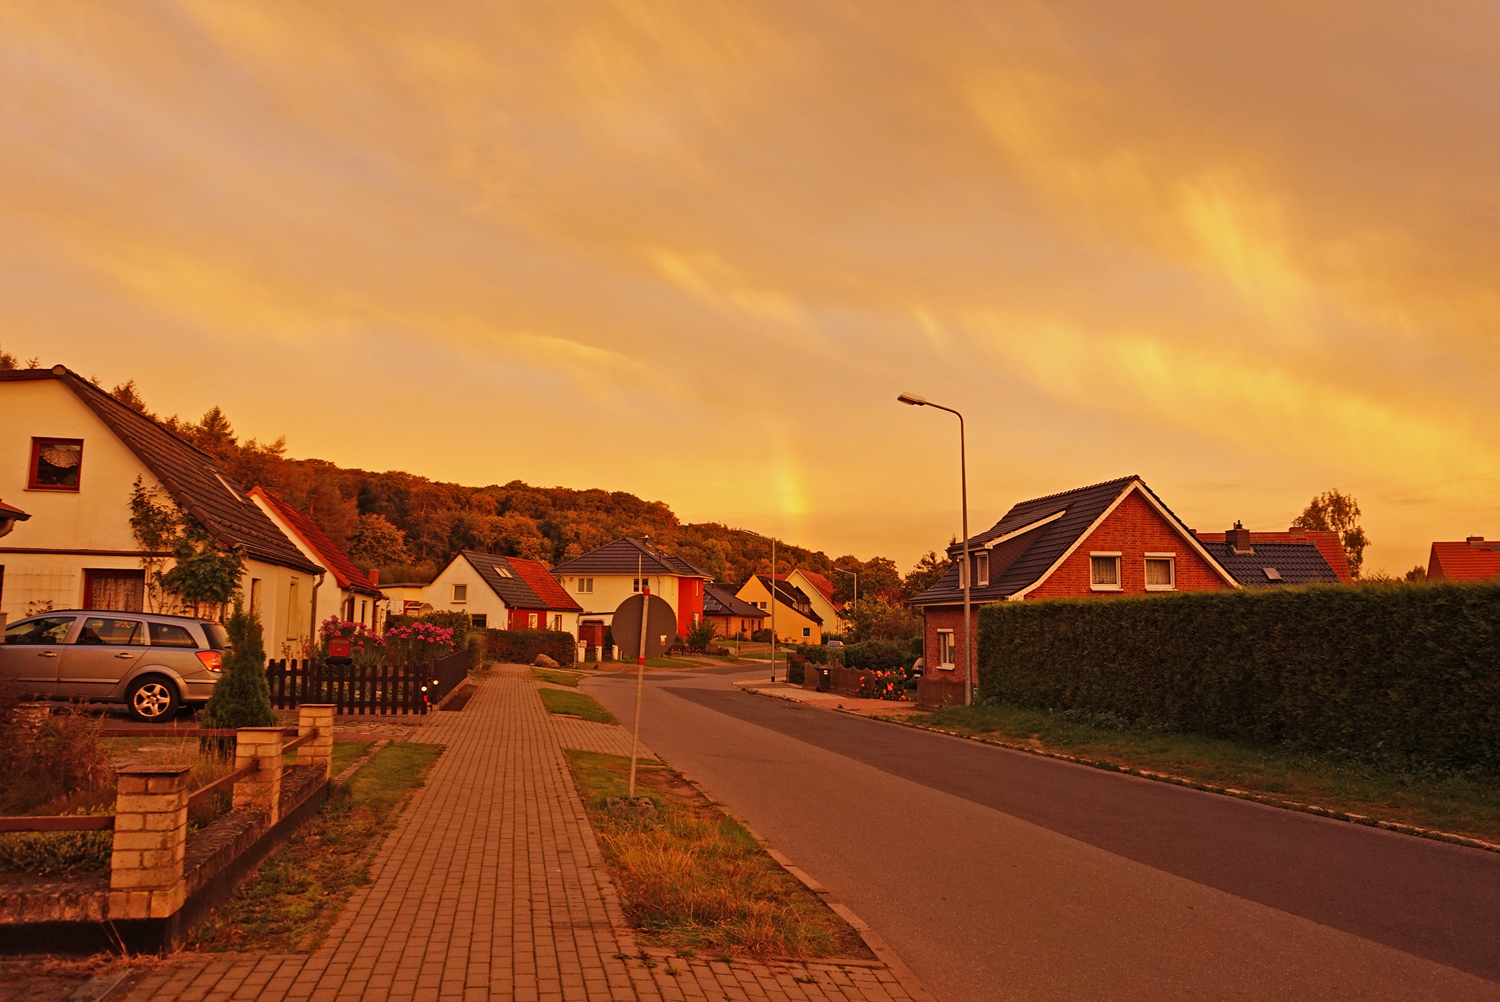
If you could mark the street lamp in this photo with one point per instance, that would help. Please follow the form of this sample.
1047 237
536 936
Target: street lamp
855 600
772 590
964 570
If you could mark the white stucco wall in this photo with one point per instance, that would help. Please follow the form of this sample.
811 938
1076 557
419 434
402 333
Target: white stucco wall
481 600
609 591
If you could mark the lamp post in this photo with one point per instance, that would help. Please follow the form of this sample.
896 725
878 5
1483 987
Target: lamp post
772 590
855 600
964 570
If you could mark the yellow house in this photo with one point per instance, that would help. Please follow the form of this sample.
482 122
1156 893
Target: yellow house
796 621
819 592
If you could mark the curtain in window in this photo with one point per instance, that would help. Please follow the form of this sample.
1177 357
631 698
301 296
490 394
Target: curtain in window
117 591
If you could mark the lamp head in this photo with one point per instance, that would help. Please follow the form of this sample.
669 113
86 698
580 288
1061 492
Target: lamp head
913 400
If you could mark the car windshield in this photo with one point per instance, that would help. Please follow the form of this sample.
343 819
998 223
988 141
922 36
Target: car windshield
218 639
51 630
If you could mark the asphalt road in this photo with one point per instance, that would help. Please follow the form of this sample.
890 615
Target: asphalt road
999 875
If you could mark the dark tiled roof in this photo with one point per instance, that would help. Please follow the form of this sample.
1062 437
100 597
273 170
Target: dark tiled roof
336 560
621 557
543 585
793 596
718 602
1079 508
193 479
1297 563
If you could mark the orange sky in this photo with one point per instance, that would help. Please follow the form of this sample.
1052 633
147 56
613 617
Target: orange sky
693 250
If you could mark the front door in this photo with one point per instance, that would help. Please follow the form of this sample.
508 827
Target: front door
33 652
104 651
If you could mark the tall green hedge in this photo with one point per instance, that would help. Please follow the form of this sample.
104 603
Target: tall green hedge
522 646
1407 675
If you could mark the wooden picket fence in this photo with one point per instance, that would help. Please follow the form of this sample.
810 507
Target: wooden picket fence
386 689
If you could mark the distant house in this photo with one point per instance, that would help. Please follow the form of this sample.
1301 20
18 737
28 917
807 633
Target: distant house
1474 559
1109 539
796 620
819 591
76 454
603 578
732 617
503 593
354 596
1269 559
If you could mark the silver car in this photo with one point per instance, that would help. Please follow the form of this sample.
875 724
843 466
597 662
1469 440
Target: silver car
153 664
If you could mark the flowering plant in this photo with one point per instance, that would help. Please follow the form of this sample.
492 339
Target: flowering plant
889 685
419 642
365 647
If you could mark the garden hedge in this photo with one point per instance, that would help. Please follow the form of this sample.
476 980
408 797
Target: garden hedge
522 646
1407 675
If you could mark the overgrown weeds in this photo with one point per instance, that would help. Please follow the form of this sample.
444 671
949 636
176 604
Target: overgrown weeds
45 757
694 880
575 704
1461 805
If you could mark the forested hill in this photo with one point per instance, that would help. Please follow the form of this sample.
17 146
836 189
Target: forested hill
407 525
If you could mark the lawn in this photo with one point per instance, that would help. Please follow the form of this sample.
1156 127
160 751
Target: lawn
575 704
1464 806
556 677
290 902
694 880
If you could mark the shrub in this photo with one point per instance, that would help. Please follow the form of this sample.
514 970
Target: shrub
1398 674
761 636
522 646
475 649
796 667
47 757
242 698
890 685
700 636
879 655
418 643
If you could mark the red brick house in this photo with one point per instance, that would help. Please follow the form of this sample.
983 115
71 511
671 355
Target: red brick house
1114 538
1299 556
1472 560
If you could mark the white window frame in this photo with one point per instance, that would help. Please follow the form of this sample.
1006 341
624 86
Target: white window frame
1171 559
585 586
981 568
945 647
1119 585
455 600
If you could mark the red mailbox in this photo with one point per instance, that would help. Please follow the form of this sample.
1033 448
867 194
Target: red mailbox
338 650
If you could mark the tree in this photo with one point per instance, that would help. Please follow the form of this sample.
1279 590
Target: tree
877 619
127 394
929 569
1417 575
700 636
378 542
241 698
1333 511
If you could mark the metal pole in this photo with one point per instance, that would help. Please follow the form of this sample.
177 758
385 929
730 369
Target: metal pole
640 672
774 638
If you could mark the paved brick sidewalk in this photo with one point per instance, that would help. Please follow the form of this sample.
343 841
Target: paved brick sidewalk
491 887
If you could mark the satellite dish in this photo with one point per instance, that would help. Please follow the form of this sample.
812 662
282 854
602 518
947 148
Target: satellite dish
661 627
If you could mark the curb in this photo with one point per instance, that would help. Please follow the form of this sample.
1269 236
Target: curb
1165 777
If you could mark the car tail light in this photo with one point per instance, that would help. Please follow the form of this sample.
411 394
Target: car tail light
212 660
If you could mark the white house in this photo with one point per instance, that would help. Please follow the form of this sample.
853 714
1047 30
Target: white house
603 578
352 595
70 455
503 593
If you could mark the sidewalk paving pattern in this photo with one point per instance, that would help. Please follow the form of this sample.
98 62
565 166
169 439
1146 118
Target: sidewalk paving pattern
491 887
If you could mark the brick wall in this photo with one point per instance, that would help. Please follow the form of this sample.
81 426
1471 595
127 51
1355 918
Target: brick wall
1134 529
948 618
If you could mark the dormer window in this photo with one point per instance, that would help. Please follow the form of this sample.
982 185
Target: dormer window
55 464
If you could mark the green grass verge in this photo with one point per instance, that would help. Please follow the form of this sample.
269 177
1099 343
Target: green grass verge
290 902
1462 806
556 677
575 704
694 880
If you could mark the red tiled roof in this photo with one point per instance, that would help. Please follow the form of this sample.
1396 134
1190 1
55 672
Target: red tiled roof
546 587
1327 543
336 560
819 582
1464 562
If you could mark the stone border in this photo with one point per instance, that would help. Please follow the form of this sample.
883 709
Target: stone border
1165 777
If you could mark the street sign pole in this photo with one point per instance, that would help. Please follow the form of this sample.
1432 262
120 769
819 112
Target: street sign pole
640 673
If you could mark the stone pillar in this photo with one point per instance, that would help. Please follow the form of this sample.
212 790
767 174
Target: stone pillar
319 751
150 842
262 788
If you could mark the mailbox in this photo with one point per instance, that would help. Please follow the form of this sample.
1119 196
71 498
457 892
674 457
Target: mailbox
338 651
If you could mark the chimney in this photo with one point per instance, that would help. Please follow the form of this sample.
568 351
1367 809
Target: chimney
374 575
1474 540
1238 538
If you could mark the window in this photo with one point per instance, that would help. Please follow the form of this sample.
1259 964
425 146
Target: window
807 631
479 621
113 632
55 464
640 583
945 648
363 607
460 593
557 623
1161 571
293 605
52 630
531 621
1104 571
114 590
255 596
981 569
167 635
585 586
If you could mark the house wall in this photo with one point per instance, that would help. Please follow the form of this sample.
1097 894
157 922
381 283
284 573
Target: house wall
481 600
612 589
730 627
937 618
689 604
1134 528
790 623
822 606
331 599
94 518
285 605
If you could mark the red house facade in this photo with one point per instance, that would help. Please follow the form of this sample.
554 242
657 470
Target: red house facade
1109 539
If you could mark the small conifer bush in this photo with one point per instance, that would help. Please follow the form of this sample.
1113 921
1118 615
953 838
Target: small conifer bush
242 698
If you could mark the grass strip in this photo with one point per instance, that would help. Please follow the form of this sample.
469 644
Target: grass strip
693 879
556 677
1460 805
289 903
575 704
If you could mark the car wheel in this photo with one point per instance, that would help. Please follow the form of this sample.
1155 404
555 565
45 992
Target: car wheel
152 699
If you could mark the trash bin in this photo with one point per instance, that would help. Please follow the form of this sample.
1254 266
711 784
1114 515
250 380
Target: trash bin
823 679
